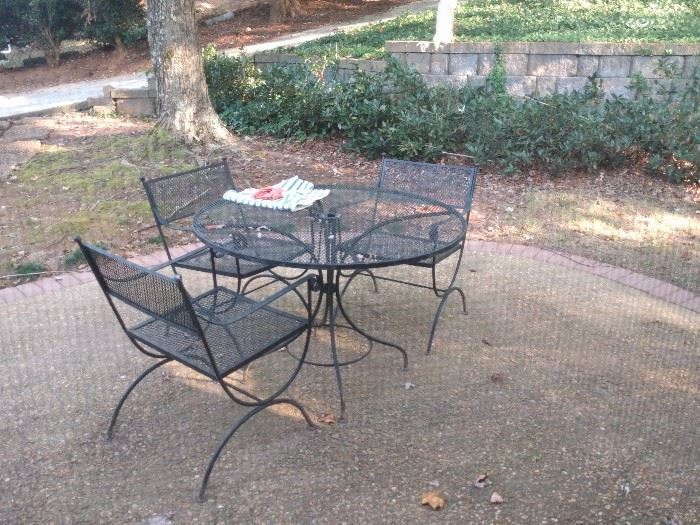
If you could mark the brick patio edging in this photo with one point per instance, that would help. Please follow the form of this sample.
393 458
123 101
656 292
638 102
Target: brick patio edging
654 287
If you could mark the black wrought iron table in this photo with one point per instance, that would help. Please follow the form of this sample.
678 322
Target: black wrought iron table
353 228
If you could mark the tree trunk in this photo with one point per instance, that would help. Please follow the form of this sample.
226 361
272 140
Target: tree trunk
282 9
445 22
119 45
182 99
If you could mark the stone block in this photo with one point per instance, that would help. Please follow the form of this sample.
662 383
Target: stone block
587 65
454 81
553 65
607 49
515 64
377 66
419 61
136 107
649 67
662 87
103 109
486 63
439 63
473 47
27 132
616 86
614 66
131 93
401 57
553 48
463 64
546 85
689 65
15 153
414 46
477 80
514 48
569 84
519 86
228 15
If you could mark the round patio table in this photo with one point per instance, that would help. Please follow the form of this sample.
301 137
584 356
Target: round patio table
353 228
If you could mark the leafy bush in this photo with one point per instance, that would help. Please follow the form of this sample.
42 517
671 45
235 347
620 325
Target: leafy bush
395 113
116 22
53 21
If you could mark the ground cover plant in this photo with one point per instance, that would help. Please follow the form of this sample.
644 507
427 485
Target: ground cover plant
397 114
542 21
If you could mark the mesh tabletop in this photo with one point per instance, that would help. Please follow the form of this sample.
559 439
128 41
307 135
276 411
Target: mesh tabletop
353 227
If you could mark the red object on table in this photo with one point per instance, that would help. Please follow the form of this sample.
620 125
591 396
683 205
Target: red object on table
268 193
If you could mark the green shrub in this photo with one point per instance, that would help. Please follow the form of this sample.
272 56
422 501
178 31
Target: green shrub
29 269
115 22
395 113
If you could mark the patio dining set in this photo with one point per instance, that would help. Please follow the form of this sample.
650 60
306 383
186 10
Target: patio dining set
416 216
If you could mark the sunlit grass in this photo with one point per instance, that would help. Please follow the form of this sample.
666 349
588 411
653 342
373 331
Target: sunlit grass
545 21
638 235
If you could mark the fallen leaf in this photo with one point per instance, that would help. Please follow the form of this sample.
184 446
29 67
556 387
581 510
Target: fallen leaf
482 481
328 419
434 499
496 498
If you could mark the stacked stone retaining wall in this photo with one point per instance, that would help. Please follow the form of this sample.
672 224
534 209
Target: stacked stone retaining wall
547 67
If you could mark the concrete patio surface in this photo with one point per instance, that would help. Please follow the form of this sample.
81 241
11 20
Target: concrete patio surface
579 396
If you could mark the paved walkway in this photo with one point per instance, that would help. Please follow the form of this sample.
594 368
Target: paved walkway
578 396
73 96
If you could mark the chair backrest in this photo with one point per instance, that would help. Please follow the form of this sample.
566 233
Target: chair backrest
451 184
180 195
152 293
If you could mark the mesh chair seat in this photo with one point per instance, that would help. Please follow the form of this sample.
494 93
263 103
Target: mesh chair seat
233 343
377 244
200 260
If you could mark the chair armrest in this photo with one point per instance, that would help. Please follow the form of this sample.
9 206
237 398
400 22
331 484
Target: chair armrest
259 305
170 262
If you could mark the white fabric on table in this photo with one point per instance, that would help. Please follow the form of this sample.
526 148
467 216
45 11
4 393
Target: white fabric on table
298 194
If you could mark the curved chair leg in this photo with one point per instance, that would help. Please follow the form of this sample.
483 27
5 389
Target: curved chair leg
238 424
445 296
115 414
355 274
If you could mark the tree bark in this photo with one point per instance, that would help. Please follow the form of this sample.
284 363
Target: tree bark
282 9
182 99
445 22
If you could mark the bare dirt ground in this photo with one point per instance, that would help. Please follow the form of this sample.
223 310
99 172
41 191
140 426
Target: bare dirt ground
247 27
84 180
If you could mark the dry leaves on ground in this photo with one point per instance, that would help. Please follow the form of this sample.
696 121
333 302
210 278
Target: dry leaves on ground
328 419
433 499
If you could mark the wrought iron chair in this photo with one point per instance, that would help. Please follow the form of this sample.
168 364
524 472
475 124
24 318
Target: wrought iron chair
451 184
215 333
176 198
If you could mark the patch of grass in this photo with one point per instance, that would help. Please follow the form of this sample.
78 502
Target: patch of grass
542 21
638 235
28 270
156 239
73 258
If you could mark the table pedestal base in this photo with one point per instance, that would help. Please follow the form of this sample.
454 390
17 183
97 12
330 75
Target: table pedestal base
336 317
